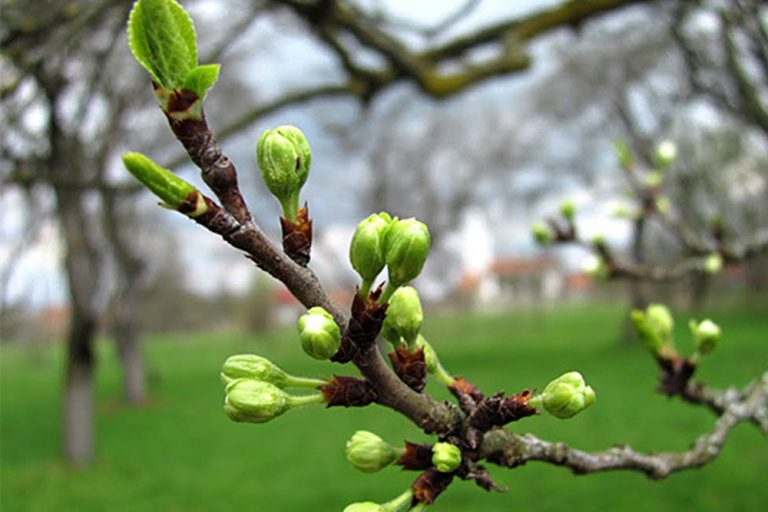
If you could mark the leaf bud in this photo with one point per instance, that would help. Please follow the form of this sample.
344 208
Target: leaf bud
542 234
173 190
565 396
568 209
406 249
404 314
713 263
319 334
706 335
446 457
666 153
368 452
284 158
623 154
366 251
654 328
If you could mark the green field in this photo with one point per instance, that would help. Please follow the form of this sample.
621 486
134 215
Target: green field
180 452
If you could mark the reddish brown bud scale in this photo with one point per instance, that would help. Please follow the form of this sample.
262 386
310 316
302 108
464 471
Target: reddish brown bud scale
416 457
429 485
466 393
363 328
410 367
497 410
348 392
675 372
297 236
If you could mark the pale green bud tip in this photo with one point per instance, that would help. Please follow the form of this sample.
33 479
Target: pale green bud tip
541 233
404 314
595 267
446 457
162 182
406 249
254 401
623 154
567 396
363 506
706 335
319 334
284 158
666 153
654 179
368 452
366 251
713 264
660 320
251 366
568 209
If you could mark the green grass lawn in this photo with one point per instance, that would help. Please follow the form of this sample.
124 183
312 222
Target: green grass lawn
181 453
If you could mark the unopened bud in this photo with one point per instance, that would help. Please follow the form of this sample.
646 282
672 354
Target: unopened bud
663 204
595 267
541 233
171 189
254 401
366 251
404 314
666 153
706 335
568 209
713 264
363 506
251 366
319 334
623 154
446 457
406 250
284 158
654 327
653 179
565 396
368 452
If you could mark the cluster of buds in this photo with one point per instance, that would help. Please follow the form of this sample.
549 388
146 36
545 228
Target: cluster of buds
557 230
654 328
565 396
402 245
255 389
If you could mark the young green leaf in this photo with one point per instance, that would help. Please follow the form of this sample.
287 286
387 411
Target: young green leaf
201 79
162 38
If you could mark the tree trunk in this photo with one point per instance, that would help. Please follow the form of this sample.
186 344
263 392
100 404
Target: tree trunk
78 393
128 340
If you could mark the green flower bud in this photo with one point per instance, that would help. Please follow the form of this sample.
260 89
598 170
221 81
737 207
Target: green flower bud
542 234
653 179
251 366
565 396
713 264
284 158
319 335
404 314
406 249
363 506
446 457
595 267
568 209
366 251
623 154
666 153
663 205
661 321
368 452
255 401
173 190
706 335
654 328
